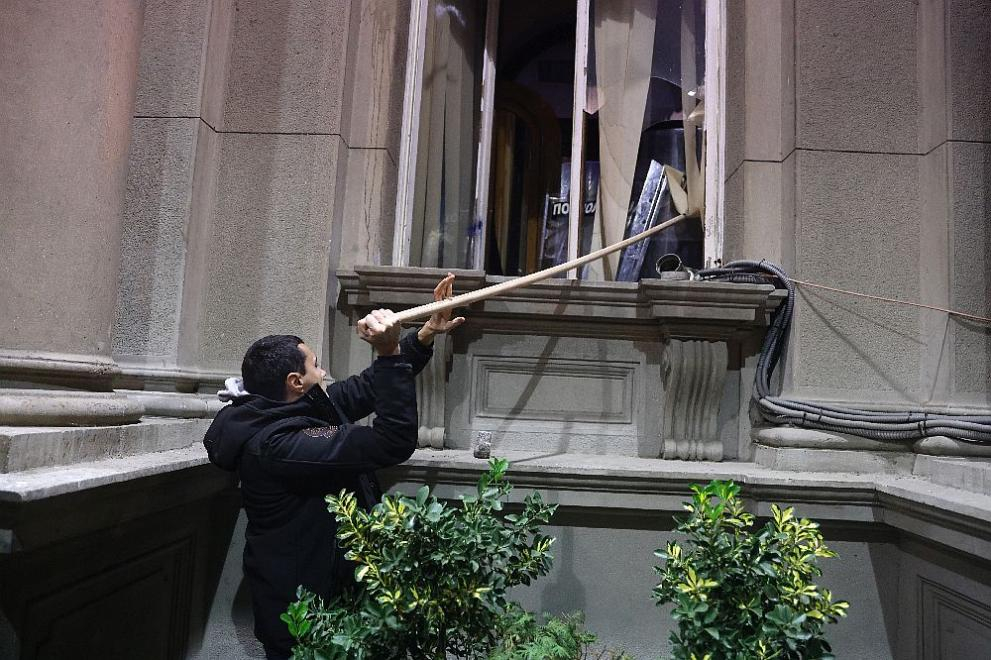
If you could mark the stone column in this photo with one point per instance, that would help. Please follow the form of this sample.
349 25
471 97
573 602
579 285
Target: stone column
167 205
67 80
257 249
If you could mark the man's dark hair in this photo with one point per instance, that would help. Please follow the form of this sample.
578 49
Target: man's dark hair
269 361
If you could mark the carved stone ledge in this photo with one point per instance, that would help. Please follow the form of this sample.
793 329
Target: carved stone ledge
914 504
33 449
798 438
40 388
172 391
648 310
153 378
175 404
370 287
38 407
862 461
56 389
19 368
940 445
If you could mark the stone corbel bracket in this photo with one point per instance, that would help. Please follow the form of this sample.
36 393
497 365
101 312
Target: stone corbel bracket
694 374
694 322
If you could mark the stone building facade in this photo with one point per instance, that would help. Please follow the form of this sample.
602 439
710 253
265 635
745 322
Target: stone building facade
180 177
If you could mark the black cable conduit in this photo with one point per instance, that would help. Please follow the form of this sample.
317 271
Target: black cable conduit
898 426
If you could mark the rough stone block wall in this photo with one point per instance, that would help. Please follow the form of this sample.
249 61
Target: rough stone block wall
371 129
268 241
153 247
857 199
863 165
158 206
242 136
970 279
68 74
968 147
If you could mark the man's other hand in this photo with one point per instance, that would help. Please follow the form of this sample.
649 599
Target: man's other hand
440 322
381 331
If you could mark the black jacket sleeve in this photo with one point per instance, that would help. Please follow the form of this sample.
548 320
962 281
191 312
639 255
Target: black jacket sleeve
390 439
356 395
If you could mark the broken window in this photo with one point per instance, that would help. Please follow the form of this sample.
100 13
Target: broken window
530 129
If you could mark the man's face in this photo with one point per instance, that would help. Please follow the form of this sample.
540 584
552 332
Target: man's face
314 374
298 384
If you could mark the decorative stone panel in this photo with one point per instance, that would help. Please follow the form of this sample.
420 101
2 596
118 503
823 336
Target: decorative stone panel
554 394
596 392
951 624
113 558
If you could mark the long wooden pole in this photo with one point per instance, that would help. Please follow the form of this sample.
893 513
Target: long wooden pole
424 311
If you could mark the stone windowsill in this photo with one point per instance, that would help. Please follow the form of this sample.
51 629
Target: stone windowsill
648 309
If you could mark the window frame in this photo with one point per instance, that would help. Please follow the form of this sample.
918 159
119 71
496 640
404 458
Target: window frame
714 129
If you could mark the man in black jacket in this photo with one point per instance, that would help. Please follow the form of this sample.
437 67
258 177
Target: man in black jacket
291 443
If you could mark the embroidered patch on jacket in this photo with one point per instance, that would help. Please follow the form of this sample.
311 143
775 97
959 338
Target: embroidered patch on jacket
321 432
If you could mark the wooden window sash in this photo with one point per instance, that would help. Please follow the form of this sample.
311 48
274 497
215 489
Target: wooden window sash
484 161
579 101
714 130
406 188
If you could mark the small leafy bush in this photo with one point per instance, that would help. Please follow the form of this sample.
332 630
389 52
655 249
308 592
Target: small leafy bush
559 638
431 578
740 594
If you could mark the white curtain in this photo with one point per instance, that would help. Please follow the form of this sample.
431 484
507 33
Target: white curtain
624 45
442 204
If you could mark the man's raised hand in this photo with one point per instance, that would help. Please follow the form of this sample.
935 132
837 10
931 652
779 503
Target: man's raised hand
380 329
440 322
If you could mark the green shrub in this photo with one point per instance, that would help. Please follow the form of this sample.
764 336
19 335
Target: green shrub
740 594
431 578
559 638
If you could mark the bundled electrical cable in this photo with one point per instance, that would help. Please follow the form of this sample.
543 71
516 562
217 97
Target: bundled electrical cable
885 426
